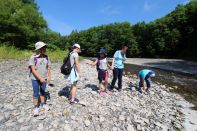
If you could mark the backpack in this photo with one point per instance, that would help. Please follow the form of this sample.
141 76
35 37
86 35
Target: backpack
66 67
36 61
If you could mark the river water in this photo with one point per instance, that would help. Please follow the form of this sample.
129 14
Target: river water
183 84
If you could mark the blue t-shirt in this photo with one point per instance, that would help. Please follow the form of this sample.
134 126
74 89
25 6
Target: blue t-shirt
119 59
143 73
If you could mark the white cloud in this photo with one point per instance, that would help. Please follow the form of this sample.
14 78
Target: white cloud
185 2
109 10
147 6
58 26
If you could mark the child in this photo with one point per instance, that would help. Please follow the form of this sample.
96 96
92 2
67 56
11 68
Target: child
102 66
40 73
145 76
73 77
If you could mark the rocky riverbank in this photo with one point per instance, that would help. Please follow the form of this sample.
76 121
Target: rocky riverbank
118 111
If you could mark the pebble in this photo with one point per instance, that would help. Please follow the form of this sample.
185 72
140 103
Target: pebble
114 129
2 117
121 117
130 128
67 128
25 128
139 127
9 106
87 123
102 119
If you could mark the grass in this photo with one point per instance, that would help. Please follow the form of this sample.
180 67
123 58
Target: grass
57 55
10 52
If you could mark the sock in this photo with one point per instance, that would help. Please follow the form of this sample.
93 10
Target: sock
35 106
72 99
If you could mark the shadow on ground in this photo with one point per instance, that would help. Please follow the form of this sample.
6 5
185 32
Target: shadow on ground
64 92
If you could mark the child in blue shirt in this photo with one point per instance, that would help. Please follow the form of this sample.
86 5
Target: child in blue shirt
145 79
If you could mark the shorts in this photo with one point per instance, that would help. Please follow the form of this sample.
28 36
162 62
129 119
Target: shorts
38 88
102 75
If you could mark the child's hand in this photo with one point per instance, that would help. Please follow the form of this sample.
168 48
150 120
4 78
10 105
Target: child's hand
145 88
42 80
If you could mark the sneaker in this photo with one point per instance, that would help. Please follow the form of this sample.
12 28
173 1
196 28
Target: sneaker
119 89
74 102
45 107
140 95
36 112
101 94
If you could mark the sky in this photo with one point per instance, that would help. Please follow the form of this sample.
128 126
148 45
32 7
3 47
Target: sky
63 16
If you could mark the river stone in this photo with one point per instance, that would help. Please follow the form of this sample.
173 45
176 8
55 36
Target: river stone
41 117
114 129
139 127
21 120
87 123
121 117
130 128
67 128
25 128
9 106
2 117
40 127
102 119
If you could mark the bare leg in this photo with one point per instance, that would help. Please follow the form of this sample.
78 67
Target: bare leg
73 91
42 99
35 101
100 86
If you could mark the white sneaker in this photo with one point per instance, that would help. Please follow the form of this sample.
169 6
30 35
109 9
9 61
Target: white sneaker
36 112
46 107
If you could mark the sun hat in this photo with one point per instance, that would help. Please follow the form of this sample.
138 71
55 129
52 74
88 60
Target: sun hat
102 51
39 45
76 45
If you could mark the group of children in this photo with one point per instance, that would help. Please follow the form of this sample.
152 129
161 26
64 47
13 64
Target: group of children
40 73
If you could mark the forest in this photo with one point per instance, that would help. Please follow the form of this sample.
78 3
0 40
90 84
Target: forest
172 36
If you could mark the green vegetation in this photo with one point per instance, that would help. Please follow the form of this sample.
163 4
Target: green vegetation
56 55
10 52
172 36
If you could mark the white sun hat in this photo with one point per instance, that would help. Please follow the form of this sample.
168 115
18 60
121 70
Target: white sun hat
77 45
39 45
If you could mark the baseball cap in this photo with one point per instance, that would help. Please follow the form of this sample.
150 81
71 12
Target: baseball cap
76 45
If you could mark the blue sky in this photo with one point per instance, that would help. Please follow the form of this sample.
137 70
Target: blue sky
63 16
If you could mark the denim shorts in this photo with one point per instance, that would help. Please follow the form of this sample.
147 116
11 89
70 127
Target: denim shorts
38 88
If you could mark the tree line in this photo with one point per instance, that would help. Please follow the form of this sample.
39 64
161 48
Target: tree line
172 36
